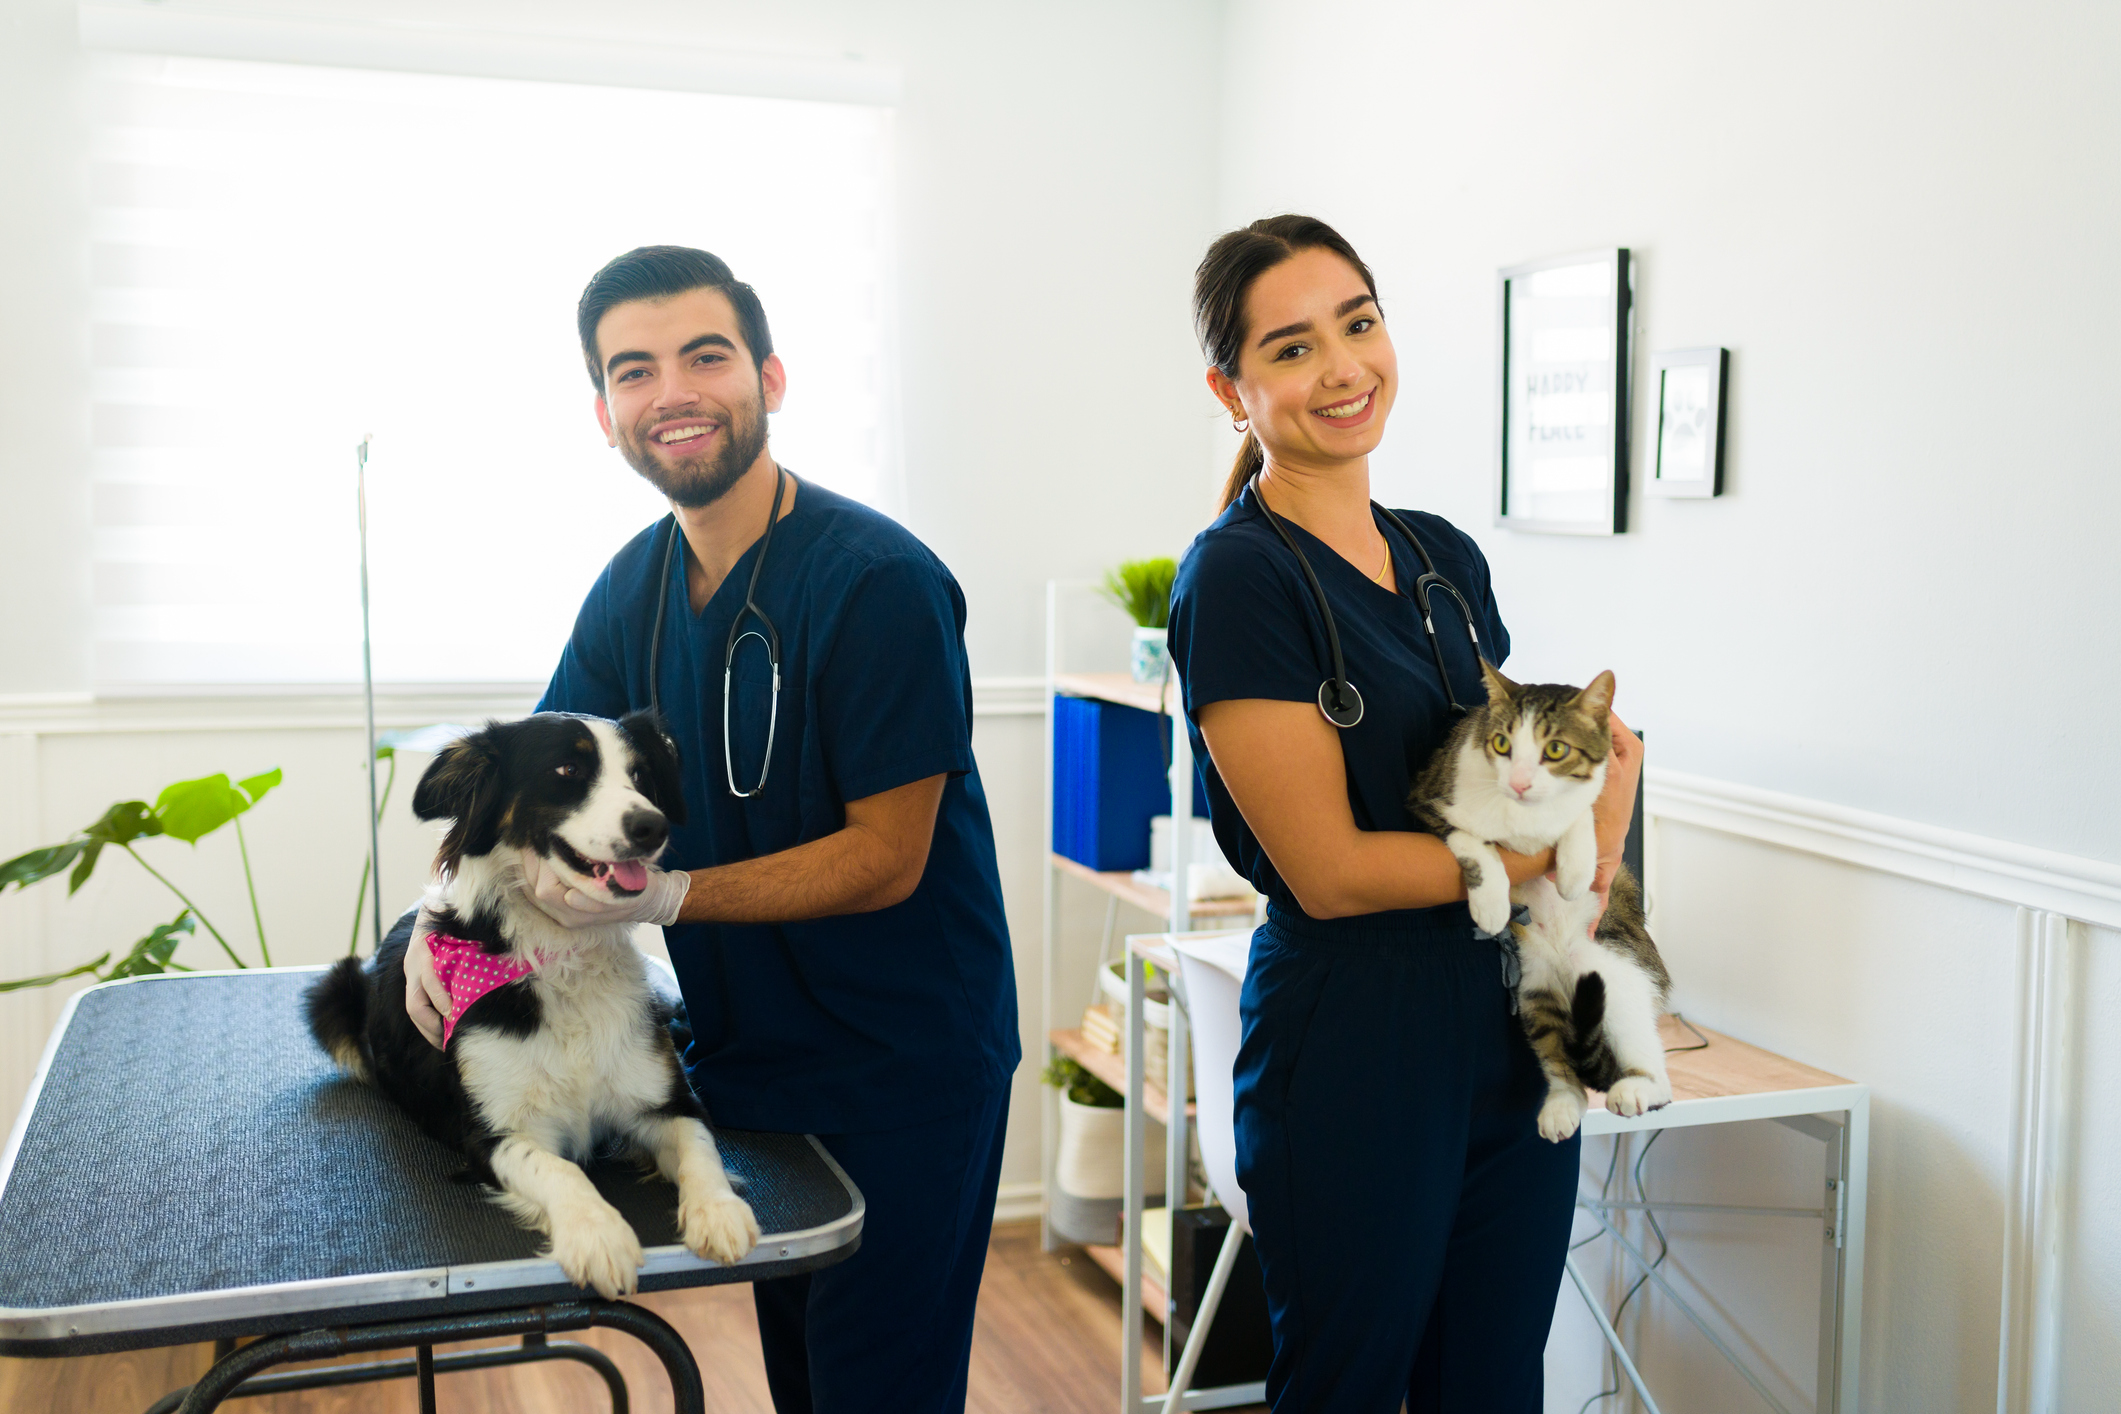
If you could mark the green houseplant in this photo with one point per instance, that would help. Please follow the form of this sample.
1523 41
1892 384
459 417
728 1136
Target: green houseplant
1142 590
188 811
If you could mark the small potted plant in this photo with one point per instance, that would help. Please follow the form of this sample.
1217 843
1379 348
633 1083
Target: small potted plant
1089 1172
1142 589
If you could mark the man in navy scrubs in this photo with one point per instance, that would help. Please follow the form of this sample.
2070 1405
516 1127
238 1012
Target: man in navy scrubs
838 934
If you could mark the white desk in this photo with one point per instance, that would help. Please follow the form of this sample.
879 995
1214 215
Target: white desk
1729 1082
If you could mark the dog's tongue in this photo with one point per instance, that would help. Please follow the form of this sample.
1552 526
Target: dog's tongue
630 875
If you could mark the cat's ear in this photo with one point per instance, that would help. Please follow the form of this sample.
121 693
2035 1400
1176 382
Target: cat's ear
1501 691
1597 699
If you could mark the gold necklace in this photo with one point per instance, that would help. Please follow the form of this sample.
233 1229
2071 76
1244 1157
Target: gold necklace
1379 577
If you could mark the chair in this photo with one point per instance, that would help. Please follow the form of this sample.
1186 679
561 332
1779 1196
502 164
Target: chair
1212 970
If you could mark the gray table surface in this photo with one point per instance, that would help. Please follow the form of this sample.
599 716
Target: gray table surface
190 1165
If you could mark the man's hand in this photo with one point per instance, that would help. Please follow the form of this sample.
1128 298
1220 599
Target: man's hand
1614 809
426 999
657 903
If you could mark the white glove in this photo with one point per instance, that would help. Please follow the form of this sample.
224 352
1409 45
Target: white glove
571 908
426 999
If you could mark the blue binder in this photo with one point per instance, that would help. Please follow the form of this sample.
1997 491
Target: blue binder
1108 782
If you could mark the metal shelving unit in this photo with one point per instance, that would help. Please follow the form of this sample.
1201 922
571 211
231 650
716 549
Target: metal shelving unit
1172 913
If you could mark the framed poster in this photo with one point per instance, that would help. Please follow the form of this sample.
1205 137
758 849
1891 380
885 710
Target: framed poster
1689 386
1562 437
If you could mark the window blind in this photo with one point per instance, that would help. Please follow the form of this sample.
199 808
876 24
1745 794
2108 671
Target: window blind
285 258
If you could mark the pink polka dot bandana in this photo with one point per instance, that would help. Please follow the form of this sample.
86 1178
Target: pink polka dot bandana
469 972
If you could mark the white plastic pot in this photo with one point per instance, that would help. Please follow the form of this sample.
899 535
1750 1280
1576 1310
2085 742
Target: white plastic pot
1089 1173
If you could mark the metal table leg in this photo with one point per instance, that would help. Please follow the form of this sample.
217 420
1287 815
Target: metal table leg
232 1376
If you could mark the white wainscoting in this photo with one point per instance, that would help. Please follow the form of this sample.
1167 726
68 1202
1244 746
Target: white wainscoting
2063 903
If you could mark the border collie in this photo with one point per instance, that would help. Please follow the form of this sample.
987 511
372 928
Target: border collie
575 1052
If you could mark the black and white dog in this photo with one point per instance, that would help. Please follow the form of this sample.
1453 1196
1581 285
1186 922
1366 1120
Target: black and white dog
575 1051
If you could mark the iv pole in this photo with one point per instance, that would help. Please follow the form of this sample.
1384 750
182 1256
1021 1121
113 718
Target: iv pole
368 691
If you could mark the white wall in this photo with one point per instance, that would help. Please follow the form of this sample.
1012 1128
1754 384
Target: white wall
1899 218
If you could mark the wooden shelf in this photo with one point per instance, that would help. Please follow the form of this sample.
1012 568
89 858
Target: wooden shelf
1122 884
1114 1261
1113 1071
1120 688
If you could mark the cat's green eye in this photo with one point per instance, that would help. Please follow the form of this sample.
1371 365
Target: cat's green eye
1499 743
1556 750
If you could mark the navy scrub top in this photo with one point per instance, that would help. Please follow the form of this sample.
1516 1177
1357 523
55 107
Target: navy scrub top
1244 625
867 1021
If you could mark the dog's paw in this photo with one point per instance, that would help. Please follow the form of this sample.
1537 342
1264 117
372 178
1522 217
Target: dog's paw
1560 1115
598 1250
1637 1094
1490 904
717 1226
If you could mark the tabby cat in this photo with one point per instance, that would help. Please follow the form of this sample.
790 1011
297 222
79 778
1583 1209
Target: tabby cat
1520 774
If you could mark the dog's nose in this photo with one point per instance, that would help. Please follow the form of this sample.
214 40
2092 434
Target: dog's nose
645 829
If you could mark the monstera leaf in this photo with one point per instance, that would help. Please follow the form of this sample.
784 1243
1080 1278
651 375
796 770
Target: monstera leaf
26 869
192 810
152 953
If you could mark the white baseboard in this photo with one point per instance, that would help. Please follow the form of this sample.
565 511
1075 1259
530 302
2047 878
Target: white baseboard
1016 1202
2086 889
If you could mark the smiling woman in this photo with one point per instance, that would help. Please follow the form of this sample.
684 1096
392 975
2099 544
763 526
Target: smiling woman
287 257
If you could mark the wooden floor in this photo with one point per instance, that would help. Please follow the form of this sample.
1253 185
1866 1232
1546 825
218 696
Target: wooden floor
1046 1342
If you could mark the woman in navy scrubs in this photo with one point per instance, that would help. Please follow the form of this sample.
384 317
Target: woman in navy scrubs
1410 1221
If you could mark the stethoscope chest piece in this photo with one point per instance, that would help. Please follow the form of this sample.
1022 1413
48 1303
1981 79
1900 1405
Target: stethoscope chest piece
1341 703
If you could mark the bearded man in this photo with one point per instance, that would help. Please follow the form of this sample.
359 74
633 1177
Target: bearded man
831 905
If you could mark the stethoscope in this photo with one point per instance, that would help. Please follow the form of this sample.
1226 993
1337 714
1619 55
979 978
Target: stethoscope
1337 697
771 638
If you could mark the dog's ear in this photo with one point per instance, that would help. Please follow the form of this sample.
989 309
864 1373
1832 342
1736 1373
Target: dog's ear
658 757
463 786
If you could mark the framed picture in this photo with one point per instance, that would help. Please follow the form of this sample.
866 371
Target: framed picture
1561 442
1689 456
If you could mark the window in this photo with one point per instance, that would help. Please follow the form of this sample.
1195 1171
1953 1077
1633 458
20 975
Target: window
287 257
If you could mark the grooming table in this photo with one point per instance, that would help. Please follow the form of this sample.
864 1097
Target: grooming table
190 1167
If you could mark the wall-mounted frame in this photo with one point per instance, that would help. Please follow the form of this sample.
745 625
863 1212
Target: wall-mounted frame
1561 438
1689 386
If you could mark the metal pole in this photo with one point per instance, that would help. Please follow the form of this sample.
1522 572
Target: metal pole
368 694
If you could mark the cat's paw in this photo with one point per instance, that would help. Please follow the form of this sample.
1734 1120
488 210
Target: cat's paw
717 1226
1632 1095
1560 1115
1572 879
597 1249
1490 904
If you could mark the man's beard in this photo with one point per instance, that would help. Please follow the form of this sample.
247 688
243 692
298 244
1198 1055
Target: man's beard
693 482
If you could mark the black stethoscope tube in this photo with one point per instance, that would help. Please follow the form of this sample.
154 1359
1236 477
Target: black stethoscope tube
771 638
1337 697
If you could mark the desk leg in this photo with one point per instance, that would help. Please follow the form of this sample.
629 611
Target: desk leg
424 1371
1846 1138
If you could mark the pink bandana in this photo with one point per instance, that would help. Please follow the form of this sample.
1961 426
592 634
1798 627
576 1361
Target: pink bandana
469 972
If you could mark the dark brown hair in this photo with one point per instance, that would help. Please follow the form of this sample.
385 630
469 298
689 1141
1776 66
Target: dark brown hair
658 272
1222 281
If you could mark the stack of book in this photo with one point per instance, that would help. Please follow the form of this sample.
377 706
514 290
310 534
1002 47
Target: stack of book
1101 1029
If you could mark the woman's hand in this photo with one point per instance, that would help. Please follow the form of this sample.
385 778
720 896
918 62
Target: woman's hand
1614 810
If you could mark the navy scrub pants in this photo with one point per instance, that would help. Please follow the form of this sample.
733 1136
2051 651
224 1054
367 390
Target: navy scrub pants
1410 1221
890 1328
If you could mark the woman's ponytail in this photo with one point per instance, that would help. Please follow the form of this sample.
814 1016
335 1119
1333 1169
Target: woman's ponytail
1249 460
1226 273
